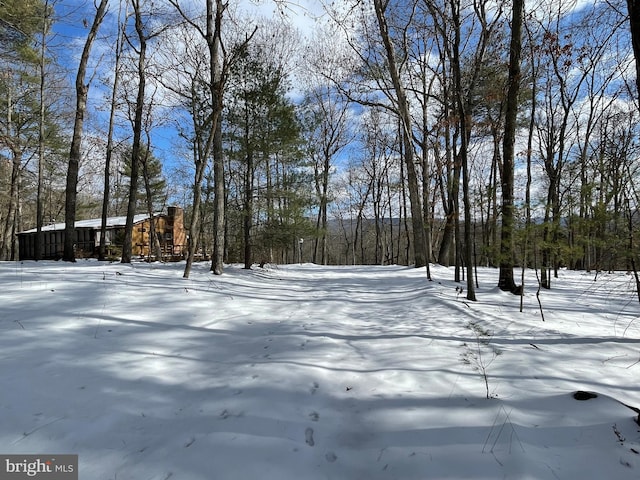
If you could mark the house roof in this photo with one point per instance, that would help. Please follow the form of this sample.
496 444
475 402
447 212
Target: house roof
95 223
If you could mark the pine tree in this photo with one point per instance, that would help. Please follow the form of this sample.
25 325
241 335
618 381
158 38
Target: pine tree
263 142
154 177
20 24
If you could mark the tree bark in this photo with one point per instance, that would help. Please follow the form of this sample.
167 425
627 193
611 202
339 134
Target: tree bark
82 91
209 144
217 264
102 249
417 221
248 208
8 240
506 280
155 249
39 244
465 134
127 247
634 25
214 26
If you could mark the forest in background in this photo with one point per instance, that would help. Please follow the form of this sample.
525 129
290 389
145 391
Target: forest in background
461 132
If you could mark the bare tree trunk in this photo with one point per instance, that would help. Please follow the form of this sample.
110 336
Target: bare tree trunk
7 232
527 201
200 161
82 92
417 221
465 134
506 279
634 21
154 240
214 26
323 209
39 247
212 144
248 210
404 219
451 213
328 137
449 191
127 247
322 190
634 25
7 252
102 252
631 251
426 191
217 264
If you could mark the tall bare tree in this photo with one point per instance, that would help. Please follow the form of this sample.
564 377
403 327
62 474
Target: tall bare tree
102 253
402 106
329 134
42 63
146 28
82 91
218 76
506 279
208 141
136 150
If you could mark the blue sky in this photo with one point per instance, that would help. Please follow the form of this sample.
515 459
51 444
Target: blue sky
74 18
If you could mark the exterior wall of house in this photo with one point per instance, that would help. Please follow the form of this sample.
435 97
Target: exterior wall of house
178 232
169 228
53 244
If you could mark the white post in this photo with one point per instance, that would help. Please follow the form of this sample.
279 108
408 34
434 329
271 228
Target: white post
300 242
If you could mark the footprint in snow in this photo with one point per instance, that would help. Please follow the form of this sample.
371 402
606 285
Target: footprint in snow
315 387
331 457
308 437
314 416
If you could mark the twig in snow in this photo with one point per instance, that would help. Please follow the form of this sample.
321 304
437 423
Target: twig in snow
634 364
613 358
538 295
26 434
627 327
483 338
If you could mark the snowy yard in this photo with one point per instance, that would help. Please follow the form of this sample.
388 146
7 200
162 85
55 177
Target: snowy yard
304 372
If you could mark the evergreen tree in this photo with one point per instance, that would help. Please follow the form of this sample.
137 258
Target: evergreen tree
263 142
20 22
155 179
20 114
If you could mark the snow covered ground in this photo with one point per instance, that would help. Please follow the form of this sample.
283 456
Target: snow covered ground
306 372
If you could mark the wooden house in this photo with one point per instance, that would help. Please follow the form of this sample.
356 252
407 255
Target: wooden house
169 229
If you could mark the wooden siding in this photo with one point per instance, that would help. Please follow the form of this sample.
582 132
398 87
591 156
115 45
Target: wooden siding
169 228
